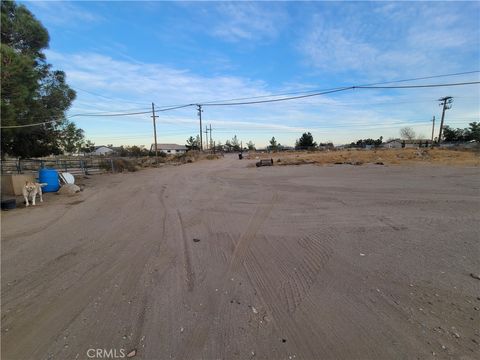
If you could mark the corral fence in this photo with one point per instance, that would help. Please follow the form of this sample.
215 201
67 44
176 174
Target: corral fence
73 166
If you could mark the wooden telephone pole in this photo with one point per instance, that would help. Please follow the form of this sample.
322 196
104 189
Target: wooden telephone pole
447 104
433 127
199 108
155 131
206 137
210 134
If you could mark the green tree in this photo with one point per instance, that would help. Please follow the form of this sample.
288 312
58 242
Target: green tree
122 151
474 131
251 145
218 146
362 143
273 144
71 138
31 92
460 135
235 143
305 141
193 143
450 134
136 151
87 147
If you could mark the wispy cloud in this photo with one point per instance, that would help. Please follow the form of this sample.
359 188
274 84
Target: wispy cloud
154 82
390 39
63 13
239 21
330 48
117 85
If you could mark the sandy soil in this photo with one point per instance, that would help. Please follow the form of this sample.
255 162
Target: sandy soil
304 262
409 156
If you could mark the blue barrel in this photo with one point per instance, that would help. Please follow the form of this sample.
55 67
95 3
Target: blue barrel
49 176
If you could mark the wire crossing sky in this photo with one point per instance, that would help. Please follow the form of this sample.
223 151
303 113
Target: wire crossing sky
217 103
274 57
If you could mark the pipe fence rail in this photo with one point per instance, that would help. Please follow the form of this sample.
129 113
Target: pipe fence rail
73 166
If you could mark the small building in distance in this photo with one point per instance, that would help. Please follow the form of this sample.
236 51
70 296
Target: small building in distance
169 148
102 150
392 144
418 143
398 143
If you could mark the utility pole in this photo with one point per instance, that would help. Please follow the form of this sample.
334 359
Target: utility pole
155 132
199 108
447 104
433 127
210 134
206 136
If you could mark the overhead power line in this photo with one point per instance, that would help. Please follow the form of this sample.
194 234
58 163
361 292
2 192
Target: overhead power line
424 78
324 92
109 98
117 114
339 90
28 125
320 90
417 86
284 93
71 116
175 107
281 99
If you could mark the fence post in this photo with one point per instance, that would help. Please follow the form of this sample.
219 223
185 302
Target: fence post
111 163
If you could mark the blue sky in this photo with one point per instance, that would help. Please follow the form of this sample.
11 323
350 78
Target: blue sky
122 56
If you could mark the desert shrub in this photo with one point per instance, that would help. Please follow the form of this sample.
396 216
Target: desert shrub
119 165
211 157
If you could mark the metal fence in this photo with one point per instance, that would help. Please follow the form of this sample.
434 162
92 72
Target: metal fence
73 166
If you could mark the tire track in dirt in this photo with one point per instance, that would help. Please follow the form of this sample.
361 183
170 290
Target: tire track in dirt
189 273
124 261
285 322
146 272
63 310
315 257
37 281
390 223
280 290
257 219
34 231
200 334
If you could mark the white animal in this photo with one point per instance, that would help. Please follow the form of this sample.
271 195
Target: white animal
31 189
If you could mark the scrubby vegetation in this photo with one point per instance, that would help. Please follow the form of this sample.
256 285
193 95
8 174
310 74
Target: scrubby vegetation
381 157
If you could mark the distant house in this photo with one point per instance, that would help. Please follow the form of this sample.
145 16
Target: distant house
417 143
102 150
169 148
398 143
392 144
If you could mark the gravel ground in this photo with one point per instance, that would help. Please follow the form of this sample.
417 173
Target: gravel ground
218 260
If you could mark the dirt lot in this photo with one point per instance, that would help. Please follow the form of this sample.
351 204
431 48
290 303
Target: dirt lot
421 156
288 262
